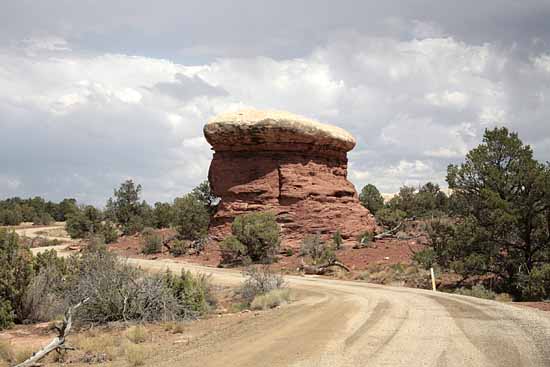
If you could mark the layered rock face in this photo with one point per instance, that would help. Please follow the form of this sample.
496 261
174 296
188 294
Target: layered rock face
292 166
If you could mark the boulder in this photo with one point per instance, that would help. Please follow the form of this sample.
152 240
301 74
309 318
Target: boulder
287 164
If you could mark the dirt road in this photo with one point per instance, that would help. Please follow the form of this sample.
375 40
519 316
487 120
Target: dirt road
341 323
39 231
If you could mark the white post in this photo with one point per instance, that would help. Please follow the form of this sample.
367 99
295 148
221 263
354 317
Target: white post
433 279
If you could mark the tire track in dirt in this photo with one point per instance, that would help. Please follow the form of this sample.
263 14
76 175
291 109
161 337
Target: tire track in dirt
341 323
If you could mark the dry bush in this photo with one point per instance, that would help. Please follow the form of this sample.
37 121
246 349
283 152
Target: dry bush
136 355
318 250
119 291
137 334
271 299
397 274
259 280
43 303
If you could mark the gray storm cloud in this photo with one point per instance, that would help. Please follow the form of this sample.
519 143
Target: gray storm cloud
93 93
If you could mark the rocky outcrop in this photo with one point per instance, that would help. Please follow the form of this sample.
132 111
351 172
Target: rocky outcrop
287 164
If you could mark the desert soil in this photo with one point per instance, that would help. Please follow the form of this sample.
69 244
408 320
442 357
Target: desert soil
342 323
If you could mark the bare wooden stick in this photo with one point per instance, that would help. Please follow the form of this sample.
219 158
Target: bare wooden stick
58 343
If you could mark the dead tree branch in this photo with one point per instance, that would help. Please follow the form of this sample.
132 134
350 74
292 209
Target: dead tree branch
58 343
322 269
392 231
389 233
167 240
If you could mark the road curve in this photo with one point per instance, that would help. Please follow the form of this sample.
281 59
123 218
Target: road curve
33 232
343 323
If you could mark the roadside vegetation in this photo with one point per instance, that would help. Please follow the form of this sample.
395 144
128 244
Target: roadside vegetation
255 239
14 211
493 232
262 288
39 288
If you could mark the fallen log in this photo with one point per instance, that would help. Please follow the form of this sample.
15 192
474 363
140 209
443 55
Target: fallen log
392 231
322 269
58 343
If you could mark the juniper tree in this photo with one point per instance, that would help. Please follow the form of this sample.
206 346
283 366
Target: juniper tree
504 219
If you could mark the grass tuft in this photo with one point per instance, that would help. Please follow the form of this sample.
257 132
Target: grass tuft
96 343
137 334
136 355
22 354
7 354
271 299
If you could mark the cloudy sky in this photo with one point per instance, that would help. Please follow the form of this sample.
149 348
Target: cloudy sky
94 92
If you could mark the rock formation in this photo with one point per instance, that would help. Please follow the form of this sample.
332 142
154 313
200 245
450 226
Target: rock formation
287 164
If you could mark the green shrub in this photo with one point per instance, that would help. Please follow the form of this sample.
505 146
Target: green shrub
536 285
163 215
42 219
152 242
6 315
11 217
178 248
426 257
193 292
40 242
259 280
478 291
259 233
389 217
28 285
83 222
108 231
337 239
371 198
203 192
233 251
16 273
191 218
271 299
365 238
135 225
255 239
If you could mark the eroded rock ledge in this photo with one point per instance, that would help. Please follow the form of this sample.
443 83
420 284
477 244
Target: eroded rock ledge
292 166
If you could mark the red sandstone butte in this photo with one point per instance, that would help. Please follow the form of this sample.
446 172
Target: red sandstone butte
286 164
